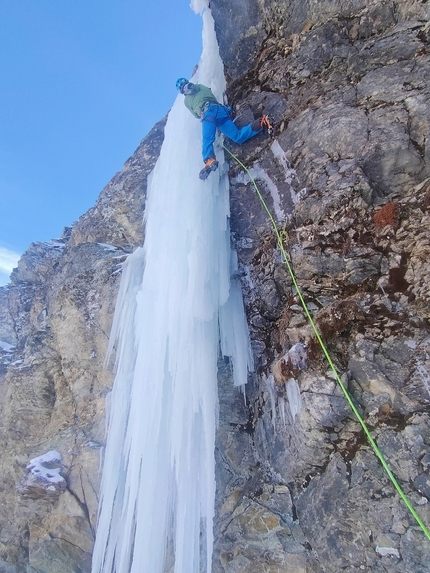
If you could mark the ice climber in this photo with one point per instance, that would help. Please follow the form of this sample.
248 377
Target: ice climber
201 102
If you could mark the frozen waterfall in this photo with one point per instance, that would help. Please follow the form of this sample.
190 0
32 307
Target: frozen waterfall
176 307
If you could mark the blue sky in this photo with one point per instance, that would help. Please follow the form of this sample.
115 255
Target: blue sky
81 83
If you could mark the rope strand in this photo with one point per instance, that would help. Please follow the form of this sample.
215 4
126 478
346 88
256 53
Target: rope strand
329 360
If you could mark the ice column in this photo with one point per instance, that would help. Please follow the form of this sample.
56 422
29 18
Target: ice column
175 304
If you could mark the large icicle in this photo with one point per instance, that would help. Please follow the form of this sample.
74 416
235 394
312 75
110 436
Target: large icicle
158 479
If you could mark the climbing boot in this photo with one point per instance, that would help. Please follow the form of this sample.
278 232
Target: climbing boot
211 164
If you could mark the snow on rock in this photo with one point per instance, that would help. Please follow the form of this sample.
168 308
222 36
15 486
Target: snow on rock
43 477
6 347
289 173
259 173
6 353
55 243
294 397
424 375
298 356
384 551
108 247
45 467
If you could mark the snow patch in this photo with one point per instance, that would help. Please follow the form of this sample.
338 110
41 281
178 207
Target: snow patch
279 154
92 445
46 468
384 551
258 172
55 243
294 398
298 356
107 247
289 173
6 347
424 375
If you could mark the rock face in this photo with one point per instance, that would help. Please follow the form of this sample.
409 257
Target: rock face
55 319
299 489
348 183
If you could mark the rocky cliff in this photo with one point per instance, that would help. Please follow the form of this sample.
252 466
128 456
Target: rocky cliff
348 181
55 319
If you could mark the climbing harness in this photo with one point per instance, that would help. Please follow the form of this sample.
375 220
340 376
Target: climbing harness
285 259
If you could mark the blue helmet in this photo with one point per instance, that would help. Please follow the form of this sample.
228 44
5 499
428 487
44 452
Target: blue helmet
180 84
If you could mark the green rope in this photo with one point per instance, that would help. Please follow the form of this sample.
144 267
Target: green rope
325 351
